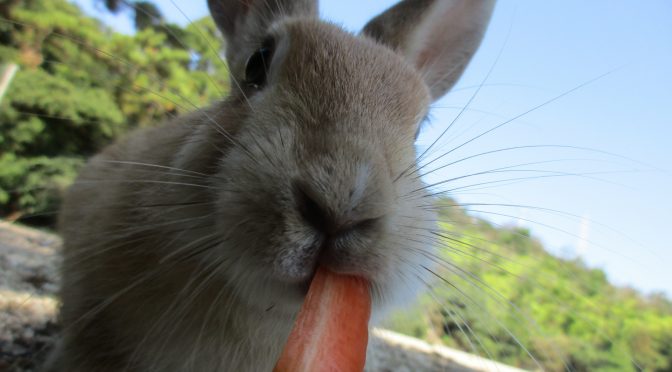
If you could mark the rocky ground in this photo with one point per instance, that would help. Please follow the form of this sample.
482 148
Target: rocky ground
28 282
28 307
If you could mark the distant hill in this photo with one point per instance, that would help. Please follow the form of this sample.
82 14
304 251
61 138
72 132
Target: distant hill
499 294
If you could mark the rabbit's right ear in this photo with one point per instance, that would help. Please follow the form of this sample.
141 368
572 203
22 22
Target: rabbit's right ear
245 23
438 37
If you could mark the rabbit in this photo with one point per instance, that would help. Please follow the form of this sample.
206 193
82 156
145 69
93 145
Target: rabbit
190 246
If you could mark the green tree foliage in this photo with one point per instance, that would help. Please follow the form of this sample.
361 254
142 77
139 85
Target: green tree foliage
81 85
145 13
498 293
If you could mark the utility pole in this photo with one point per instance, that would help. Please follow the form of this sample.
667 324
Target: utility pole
6 76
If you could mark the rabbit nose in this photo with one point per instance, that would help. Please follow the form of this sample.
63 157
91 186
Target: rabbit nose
322 219
312 211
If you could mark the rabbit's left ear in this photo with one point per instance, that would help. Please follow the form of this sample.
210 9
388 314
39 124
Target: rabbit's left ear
438 37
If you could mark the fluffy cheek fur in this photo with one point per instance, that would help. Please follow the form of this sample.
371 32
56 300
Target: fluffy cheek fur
269 249
408 248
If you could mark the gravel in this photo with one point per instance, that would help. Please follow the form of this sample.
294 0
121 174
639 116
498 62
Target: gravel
28 282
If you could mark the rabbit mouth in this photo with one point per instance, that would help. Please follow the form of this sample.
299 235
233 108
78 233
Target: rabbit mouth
315 234
351 251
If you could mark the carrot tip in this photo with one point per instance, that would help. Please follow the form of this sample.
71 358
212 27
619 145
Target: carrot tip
331 330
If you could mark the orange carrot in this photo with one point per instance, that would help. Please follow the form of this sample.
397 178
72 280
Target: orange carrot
331 331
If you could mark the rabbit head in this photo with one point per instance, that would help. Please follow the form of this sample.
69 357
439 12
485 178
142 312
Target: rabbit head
320 168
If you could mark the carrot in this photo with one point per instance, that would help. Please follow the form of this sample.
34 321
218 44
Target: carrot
331 331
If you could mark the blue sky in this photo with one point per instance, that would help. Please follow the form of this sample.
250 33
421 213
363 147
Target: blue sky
618 205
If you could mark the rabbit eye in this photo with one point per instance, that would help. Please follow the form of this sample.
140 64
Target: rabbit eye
258 64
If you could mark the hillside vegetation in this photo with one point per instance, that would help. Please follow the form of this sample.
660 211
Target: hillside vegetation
496 291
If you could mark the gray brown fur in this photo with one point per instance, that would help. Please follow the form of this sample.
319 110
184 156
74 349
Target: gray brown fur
184 246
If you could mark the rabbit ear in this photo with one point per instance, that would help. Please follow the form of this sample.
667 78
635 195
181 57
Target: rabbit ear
438 37
244 23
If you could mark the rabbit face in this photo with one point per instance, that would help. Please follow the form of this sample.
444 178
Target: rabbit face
316 177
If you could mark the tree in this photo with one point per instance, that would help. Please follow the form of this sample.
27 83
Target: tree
81 85
145 13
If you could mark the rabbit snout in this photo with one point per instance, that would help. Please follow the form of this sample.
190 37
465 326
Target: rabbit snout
348 214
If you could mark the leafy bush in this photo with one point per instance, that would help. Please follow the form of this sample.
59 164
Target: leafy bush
34 185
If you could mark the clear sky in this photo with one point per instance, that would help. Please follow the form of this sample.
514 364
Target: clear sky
617 206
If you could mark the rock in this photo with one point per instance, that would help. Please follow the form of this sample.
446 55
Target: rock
28 306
